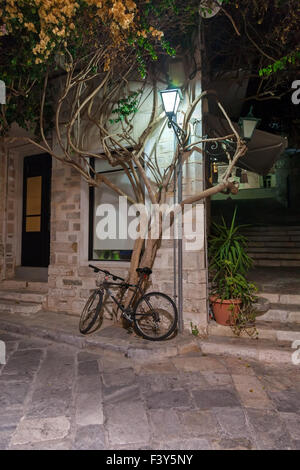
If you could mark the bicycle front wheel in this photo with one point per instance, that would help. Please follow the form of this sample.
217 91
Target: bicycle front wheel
155 316
90 313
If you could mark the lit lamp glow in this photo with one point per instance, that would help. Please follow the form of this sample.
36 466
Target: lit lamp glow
171 99
248 125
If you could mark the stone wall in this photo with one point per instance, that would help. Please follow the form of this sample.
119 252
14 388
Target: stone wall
2 212
70 278
287 178
8 214
194 282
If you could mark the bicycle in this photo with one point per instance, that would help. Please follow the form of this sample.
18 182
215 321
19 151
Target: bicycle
154 315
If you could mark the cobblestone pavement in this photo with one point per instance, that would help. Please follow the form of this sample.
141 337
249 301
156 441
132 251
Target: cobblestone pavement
58 397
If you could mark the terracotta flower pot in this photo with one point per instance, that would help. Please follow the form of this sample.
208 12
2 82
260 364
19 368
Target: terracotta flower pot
225 311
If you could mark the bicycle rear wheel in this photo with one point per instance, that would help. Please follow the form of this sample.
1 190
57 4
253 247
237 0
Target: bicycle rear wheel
90 313
155 316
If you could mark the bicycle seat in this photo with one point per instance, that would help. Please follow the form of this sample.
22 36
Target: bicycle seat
146 271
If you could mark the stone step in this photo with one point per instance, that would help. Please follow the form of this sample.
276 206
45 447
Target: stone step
19 307
17 284
282 244
272 228
281 299
28 273
269 233
273 331
25 295
272 238
63 328
261 350
273 249
37 286
13 284
282 313
275 256
274 262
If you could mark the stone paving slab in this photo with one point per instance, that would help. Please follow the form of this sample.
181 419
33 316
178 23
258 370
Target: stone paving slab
89 410
74 398
251 392
197 423
90 437
233 422
42 429
292 423
127 423
270 431
12 393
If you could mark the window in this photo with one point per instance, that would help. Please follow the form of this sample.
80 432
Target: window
267 181
109 249
33 204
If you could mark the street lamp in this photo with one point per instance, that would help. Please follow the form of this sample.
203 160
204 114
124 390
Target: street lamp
171 98
248 125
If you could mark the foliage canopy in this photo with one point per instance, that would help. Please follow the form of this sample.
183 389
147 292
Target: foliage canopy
48 36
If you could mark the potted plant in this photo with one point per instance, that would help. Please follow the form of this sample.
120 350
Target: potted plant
231 294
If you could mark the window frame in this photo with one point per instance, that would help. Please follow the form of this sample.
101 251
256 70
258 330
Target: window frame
91 218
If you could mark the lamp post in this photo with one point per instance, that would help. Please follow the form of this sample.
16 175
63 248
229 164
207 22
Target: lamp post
171 99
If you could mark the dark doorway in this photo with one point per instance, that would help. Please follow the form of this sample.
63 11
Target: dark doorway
36 211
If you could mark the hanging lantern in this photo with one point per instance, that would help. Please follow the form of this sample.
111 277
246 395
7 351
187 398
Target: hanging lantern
248 125
171 99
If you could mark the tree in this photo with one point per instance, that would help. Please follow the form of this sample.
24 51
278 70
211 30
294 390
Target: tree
36 34
261 38
81 70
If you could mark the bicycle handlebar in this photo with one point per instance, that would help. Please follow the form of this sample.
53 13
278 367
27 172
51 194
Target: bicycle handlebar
97 270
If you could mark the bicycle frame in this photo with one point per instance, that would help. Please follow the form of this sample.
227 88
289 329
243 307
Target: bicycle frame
107 284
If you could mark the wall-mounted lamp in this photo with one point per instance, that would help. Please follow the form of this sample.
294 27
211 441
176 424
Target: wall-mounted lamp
248 125
171 99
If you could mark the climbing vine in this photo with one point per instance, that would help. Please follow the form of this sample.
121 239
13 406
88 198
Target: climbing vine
126 107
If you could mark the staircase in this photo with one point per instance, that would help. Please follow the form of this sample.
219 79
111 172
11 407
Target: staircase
278 328
274 245
22 297
284 308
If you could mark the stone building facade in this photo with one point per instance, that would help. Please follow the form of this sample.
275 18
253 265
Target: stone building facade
9 212
69 279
